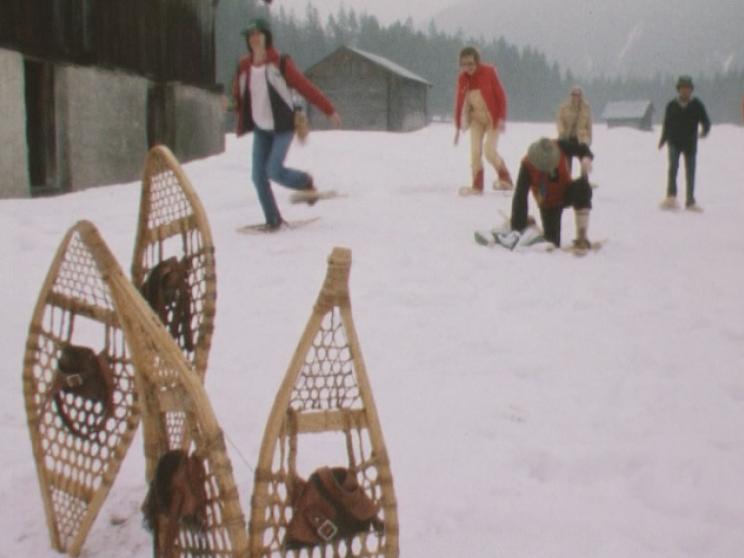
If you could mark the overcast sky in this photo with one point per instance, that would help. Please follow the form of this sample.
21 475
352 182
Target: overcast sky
617 37
386 11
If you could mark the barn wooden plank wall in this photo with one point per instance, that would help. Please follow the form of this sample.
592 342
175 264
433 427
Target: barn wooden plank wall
161 39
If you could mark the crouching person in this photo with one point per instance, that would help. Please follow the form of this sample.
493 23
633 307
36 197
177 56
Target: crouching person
545 172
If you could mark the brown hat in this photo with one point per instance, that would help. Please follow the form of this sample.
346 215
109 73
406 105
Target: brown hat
544 155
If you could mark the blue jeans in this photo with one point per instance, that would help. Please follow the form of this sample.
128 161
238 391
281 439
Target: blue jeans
269 151
689 156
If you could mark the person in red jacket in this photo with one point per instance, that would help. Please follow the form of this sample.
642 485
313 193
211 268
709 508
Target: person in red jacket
544 172
264 106
480 104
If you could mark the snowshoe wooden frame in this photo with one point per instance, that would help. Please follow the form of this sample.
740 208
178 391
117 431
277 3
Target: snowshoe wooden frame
177 414
325 390
76 467
85 280
172 222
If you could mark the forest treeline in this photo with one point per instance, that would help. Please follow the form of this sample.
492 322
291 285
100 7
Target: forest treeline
535 86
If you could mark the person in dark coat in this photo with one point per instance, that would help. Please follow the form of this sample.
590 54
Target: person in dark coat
683 119
544 172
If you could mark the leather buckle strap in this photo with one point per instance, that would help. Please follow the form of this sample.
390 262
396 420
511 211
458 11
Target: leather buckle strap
73 380
327 530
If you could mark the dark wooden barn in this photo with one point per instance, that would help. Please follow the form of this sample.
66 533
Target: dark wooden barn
370 92
89 85
633 114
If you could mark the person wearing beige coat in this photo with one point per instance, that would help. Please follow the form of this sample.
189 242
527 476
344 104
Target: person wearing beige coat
574 119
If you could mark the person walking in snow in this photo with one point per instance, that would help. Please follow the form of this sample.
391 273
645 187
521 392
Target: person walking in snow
480 104
683 119
544 172
574 119
264 106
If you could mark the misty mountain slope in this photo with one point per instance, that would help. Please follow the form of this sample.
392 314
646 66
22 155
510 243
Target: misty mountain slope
634 38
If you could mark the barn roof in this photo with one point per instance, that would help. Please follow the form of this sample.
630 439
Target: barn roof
626 110
389 65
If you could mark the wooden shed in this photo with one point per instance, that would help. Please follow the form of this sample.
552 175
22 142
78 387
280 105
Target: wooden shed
370 92
90 85
633 114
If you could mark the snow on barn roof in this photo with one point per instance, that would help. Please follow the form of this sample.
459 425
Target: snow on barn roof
625 109
389 65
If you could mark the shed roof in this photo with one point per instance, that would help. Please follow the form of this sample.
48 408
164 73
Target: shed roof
388 65
626 109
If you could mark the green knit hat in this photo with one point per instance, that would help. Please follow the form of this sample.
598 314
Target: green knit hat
257 24
685 81
544 155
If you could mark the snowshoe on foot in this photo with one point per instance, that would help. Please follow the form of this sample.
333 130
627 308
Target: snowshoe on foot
484 238
504 181
669 203
470 191
695 208
476 189
308 196
582 244
508 239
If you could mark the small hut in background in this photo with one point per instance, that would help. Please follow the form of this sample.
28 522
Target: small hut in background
633 114
370 92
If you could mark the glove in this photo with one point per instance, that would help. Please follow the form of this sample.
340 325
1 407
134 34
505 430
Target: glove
586 165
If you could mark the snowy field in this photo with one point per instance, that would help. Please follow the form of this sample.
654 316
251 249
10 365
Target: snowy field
533 404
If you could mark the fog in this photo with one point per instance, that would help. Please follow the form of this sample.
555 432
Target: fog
636 38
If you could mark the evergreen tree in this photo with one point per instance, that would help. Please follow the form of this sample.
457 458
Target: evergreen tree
535 87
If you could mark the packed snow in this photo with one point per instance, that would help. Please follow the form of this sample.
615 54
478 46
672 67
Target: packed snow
533 404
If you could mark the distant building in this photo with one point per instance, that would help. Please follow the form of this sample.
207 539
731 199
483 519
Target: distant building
634 114
89 85
370 92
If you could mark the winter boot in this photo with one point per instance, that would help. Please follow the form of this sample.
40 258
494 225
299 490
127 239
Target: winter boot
504 181
581 217
670 202
309 194
478 181
477 187
694 207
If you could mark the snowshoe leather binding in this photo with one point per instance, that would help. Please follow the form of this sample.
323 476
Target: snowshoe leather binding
330 505
166 288
85 375
176 498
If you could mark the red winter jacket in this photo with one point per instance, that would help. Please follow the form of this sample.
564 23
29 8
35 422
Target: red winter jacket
549 190
279 83
486 79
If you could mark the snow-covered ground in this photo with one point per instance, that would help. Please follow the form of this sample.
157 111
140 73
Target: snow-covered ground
533 404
